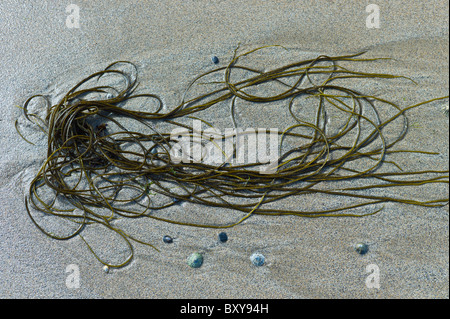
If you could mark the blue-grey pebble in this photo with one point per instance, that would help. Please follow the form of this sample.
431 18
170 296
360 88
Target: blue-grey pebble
257 259
195 260
361 248
176 200
215 59
223 237
167 239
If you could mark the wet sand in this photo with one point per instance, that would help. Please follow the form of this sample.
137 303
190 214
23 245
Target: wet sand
171 43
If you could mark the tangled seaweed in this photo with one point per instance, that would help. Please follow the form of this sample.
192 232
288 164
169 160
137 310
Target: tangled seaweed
104 170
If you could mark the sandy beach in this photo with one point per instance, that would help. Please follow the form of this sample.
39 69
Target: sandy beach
44 52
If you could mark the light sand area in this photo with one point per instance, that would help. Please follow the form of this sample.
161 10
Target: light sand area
172 42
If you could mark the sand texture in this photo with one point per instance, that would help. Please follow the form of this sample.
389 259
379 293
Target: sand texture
171 42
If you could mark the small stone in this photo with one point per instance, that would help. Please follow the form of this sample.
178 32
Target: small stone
109 96
106 269
223 237
257 259
176 200
215 59
361 248
167 239
195 260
